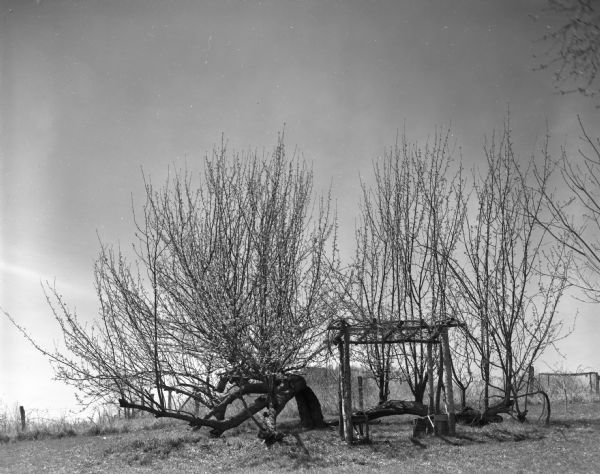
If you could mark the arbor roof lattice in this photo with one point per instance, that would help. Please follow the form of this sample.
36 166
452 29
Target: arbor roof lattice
397 331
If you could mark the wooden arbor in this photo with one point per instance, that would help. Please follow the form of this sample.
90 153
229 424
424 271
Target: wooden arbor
344 334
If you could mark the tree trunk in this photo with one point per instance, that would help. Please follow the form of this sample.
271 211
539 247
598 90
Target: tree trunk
420 389
449 388
381 385
389 408
485 364
440 384
220 413
471 416
309 409
430 377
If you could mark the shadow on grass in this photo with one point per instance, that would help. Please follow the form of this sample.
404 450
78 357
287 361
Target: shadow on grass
144 451
568 423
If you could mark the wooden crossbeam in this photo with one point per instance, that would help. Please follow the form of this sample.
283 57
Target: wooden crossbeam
390 332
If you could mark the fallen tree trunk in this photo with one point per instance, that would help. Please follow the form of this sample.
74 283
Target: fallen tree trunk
470 416
389 408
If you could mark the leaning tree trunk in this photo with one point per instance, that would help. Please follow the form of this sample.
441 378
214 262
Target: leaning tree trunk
309 409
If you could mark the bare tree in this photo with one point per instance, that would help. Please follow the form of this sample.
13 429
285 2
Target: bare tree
464 362
367 291
574 218
415 205
226 297
515 274
574 47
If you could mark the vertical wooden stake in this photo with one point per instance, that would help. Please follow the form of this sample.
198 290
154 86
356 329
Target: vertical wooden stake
361 402
597 384
347 387
530 378
169 399
430 376
196 407
448 382
23 422
341 391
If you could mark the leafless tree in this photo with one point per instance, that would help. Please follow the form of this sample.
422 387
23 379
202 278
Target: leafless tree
515 273
414 206
574 218
226 297
464 362
367 290
574 46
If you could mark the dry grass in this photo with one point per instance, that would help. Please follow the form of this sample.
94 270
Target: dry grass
111 444
41 426
568 445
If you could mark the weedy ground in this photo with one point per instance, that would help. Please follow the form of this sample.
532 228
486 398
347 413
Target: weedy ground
569 444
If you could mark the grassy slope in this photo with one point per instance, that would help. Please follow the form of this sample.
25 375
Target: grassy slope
569 445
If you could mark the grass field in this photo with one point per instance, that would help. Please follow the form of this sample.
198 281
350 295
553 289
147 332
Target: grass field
570 444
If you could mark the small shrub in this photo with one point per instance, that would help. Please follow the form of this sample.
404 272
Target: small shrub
93 430
66 433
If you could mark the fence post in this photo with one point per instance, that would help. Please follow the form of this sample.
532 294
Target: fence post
530 379
23 422
597 384
196 407
361 403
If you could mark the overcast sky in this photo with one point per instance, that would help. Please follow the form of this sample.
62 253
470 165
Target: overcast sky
94 91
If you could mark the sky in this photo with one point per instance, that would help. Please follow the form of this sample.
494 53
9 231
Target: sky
92 92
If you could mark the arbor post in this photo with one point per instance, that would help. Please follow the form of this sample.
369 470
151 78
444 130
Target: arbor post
346 385
448 377
341 391
430 376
